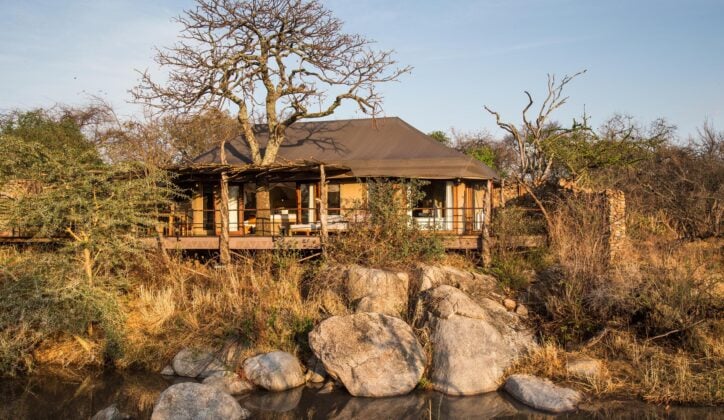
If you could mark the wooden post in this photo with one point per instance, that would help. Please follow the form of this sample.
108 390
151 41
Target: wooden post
224 251
323 208
502 193
486 224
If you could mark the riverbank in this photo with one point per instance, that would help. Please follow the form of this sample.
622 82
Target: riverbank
48 395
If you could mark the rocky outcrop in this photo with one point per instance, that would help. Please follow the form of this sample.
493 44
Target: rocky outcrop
542 394
372 354
472 343
581 366
110 413
373 290
191 400
275 371
196 364
229 382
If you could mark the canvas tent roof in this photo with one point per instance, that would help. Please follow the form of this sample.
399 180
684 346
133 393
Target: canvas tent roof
381 147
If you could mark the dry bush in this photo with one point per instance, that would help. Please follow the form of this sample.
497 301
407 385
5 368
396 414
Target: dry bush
654 315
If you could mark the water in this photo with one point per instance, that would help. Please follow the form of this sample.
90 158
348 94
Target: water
55 397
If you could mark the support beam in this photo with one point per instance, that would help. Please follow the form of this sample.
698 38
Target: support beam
323 207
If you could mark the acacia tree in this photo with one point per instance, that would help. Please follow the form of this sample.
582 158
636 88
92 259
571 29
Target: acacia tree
533 138
275 61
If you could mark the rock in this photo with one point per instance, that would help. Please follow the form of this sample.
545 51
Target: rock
509 304
373 290
190 400
542 394
229 382
328 388
196 364
110 413
275 371
582 366
168 371
472 344
277 402
521 310
315 371
373 355
469 282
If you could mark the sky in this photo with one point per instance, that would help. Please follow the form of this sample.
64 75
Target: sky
644 58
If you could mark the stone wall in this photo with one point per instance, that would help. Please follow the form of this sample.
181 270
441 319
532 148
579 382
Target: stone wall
615 208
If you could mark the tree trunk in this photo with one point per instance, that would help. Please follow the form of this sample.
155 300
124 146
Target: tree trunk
224 252
546 216
263 207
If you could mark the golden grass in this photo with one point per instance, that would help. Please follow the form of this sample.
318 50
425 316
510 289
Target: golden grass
256 302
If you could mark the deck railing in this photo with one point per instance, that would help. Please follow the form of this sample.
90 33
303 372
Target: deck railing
307 221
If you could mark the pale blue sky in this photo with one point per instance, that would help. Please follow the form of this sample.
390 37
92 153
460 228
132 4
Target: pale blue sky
648 58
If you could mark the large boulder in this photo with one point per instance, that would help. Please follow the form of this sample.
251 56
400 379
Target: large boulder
372 354
275 371
472 343
190 400
542 394
373 290
194 363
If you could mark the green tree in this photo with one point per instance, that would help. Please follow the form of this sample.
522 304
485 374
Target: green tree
441 137
56 186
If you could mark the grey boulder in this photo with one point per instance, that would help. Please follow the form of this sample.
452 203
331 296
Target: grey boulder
371 354
191 401
542 394
275 371
374 290
472 344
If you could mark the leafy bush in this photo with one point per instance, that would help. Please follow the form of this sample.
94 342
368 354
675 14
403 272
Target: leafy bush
387 236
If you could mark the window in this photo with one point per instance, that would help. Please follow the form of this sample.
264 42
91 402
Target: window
283 196
209 208
432 203
334 201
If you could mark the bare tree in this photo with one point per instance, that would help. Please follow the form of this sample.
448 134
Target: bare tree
534 161
275 61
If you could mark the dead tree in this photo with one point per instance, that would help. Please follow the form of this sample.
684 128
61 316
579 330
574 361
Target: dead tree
275 62
534 161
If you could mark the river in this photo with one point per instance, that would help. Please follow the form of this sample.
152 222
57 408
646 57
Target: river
56 397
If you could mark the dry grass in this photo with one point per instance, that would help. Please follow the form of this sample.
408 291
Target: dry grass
655 316
255 302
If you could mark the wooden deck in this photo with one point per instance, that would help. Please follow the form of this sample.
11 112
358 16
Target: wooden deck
286 242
